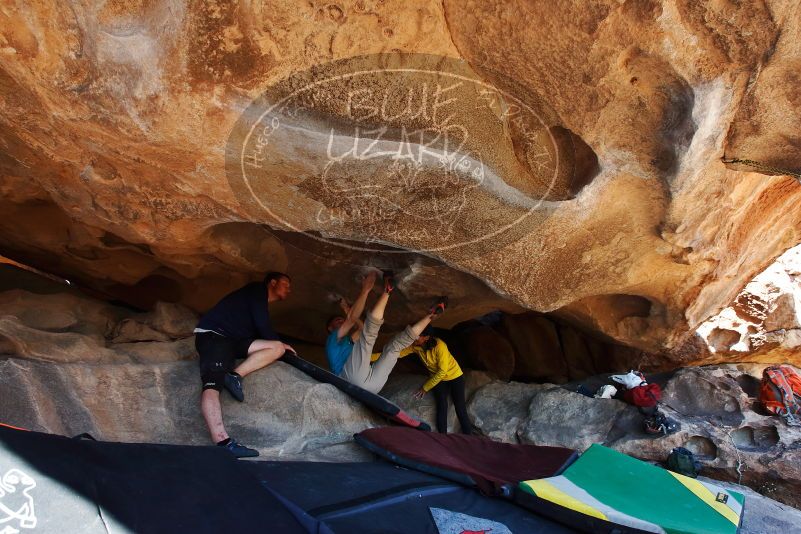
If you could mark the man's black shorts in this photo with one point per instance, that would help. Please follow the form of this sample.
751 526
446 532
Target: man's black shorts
218 355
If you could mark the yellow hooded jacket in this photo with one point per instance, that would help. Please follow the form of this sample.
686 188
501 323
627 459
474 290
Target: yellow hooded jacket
439 361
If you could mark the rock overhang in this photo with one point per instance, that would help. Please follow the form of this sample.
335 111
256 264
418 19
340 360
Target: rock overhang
115 129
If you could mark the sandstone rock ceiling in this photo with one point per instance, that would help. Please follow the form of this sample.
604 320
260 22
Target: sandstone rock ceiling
674 125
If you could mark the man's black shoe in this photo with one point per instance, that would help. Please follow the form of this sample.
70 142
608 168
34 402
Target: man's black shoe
233 383
239 450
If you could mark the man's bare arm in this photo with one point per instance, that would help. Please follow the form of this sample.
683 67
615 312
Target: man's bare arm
355 311
357 332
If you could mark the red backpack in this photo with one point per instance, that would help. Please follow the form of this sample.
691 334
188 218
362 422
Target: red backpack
780 393
645 396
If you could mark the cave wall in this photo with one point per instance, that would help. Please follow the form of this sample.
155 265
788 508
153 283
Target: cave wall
115 118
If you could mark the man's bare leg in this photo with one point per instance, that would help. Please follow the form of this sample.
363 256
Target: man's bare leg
212 414
261 353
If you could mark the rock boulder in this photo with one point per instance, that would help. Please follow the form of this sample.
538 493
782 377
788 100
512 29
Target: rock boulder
720 422
648 179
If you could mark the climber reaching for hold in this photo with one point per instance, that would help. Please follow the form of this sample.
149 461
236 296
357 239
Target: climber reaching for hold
350 343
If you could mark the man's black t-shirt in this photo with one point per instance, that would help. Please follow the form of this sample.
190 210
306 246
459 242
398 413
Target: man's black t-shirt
243 314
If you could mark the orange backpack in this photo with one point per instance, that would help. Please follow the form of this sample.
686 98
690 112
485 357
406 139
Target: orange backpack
780 393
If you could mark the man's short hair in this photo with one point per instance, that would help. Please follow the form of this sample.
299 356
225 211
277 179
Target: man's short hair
331 320
275 275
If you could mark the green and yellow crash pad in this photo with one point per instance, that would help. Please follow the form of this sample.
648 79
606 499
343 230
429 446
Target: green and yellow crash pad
607 491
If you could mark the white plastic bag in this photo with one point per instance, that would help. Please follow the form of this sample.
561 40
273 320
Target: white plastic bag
630 380
606 392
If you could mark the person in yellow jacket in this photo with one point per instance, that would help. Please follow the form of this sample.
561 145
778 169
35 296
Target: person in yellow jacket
446 379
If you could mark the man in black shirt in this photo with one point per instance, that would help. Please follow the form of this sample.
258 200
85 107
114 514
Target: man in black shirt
237 327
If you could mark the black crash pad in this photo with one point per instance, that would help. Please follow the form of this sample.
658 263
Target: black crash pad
375 402
387 499
57 484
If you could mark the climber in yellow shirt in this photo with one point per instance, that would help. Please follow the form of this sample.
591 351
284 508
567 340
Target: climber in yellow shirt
446 379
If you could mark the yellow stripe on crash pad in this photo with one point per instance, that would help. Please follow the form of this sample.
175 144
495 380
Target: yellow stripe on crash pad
708 497
547 491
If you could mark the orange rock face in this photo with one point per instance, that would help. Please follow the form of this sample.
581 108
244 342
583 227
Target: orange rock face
628 166
763 324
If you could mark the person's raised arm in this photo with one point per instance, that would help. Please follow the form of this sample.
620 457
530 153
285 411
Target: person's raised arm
357 309
357 332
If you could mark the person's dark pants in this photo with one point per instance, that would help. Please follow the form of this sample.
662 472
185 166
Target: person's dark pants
454 388
218 355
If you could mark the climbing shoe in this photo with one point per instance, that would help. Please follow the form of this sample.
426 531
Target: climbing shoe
439 306
237 449
659 425
389 281
233 383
